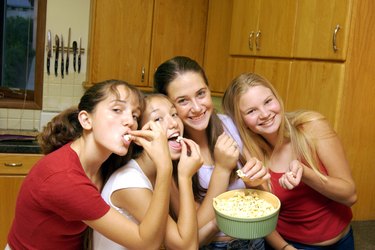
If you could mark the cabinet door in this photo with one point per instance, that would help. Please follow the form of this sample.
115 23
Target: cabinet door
245 15
13 169
263 27
120 41
316 86
216 54
276 27
277 72
315 29
9 187
179 29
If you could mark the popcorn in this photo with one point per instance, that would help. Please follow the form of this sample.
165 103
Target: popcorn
240 173
244 205
127 137
179 138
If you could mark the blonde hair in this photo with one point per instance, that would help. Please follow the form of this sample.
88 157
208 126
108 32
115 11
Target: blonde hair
291 127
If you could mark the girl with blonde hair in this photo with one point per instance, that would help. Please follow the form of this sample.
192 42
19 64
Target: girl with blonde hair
309 170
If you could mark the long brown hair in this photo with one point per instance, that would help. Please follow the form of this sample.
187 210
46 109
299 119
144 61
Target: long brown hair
65 127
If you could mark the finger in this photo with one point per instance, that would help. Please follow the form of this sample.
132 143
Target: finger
146 134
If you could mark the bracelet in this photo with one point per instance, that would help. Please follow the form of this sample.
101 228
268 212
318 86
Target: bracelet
283 248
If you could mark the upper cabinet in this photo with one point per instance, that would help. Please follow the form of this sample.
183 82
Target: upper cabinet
263 27
322 29
129 39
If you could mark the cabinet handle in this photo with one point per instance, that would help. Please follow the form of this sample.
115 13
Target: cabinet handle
334 45
251 40
257 40
13 164
143 74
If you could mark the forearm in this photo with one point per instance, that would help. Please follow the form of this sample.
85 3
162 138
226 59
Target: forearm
337 189
187 220
154 222
218 184
277 242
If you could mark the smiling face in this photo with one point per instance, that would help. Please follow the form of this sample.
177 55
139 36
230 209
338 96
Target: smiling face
192 99
261 111
160 109
113 118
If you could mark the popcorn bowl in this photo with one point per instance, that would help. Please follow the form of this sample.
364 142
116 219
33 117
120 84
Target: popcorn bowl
259 220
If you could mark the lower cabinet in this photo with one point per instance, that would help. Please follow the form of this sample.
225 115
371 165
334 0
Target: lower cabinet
13 170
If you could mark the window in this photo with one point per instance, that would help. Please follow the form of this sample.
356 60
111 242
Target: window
22 48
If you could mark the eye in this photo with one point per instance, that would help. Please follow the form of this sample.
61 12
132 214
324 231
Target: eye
201 93
175 115
182 101
158 119
116 110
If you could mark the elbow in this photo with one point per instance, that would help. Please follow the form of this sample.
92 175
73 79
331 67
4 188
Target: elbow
352 199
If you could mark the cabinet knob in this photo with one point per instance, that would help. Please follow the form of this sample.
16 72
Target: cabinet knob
251 40
143 74
334 45
13 164
257 40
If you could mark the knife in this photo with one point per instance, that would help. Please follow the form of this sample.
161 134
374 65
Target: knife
62 57
74 55
79 55
49 51
57 44
67 55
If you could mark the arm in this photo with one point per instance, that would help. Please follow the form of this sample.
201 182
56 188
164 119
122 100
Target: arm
338 184
275 240
226 157
184 233
149 234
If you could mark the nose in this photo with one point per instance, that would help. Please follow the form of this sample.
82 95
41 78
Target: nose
196 105
172 123
264 113
128 120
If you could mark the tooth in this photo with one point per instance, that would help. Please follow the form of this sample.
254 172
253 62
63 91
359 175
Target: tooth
127 137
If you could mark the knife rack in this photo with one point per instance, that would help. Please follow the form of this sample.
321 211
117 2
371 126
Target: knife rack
66 49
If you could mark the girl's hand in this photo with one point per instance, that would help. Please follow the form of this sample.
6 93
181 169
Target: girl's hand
191 159
254 173
226 152
292 178
152 137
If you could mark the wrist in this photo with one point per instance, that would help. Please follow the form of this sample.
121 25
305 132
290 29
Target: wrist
285 246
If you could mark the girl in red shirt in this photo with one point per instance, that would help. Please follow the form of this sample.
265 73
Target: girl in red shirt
60 197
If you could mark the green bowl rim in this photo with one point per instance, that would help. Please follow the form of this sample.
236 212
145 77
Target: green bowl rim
249 219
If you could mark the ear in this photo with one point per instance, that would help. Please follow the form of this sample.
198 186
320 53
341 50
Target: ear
85 120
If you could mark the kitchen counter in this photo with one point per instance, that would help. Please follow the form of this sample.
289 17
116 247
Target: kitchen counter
19 141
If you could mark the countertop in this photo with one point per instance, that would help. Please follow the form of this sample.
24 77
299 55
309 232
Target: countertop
19 141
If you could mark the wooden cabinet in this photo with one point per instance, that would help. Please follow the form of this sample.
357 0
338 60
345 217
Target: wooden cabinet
322 29
338 84
316 86
13 169
263 27
129 39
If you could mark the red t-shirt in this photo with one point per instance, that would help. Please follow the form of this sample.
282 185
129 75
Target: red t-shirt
306 216
54 199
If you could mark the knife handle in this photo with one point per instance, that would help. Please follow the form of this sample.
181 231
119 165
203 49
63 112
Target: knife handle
74 62
48 65
67 65
62 67
79 63
56 63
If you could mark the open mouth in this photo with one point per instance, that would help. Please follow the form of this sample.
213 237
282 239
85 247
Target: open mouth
127 137
175 137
